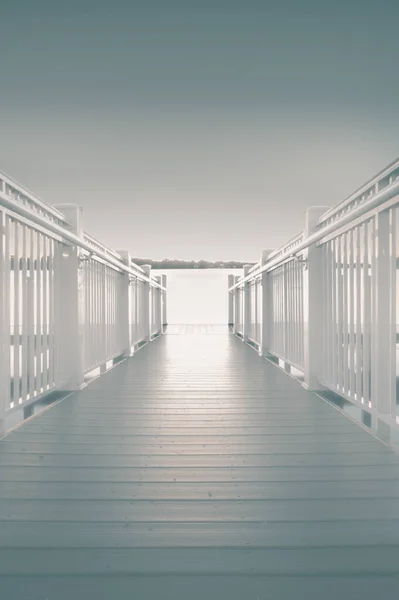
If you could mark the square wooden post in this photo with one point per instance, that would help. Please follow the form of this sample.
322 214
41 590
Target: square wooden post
146 307
164 302
247 305
231 300
157 306
383 328
267 315
69 325
312 303
124 314
5 324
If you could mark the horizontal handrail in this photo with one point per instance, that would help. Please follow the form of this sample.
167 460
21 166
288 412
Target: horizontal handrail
30 196
370 187
374 201
99 246
73 239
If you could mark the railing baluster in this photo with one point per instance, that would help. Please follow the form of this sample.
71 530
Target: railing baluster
351 299
45 345
52 340
359 262
345 320
32 315
5 320
366 314
17 300
373 312
334 311
24 320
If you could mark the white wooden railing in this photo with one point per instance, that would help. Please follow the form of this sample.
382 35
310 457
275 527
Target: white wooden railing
325 303
69 304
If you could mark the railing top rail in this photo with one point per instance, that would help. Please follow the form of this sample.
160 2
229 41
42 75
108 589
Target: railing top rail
288 245
372 202
112 253
292 243
42 219
371 187
27 198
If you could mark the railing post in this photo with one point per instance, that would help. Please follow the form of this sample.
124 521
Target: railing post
164 302
312 303
157 305
5 325
267 308
239 299
383 328
236 307
69 306
230 282
247 305
125 317
146 300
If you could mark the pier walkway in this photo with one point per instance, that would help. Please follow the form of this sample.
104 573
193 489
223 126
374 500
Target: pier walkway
196 469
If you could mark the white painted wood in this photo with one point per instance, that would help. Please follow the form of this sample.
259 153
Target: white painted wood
334 300
24 316
359 329
5 329
366 314
326 308
267 310
52 313
345 323
45 288
351 299
230 282
384 333
237 307
312 303
124 310
157 306
69 321
247 306
164 301
145 316
16 324
373 313
31 318
61 301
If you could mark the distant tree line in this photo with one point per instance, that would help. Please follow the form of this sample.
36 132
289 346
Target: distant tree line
171 263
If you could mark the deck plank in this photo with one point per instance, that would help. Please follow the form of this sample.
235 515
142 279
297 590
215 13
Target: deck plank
197 469
252 587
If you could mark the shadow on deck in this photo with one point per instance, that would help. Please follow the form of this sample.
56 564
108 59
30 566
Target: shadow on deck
196 470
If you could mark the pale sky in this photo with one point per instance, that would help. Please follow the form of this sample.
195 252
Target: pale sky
197 130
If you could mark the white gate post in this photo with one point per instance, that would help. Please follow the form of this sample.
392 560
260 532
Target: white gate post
312 303
247 305
230 282
124 316
267 308
5 328
383 367
157 305
236 305
164 302
69 310
147 309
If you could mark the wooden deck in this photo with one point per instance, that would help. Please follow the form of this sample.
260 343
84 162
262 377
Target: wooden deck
196 470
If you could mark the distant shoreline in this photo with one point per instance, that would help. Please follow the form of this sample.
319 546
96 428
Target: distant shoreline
189 264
